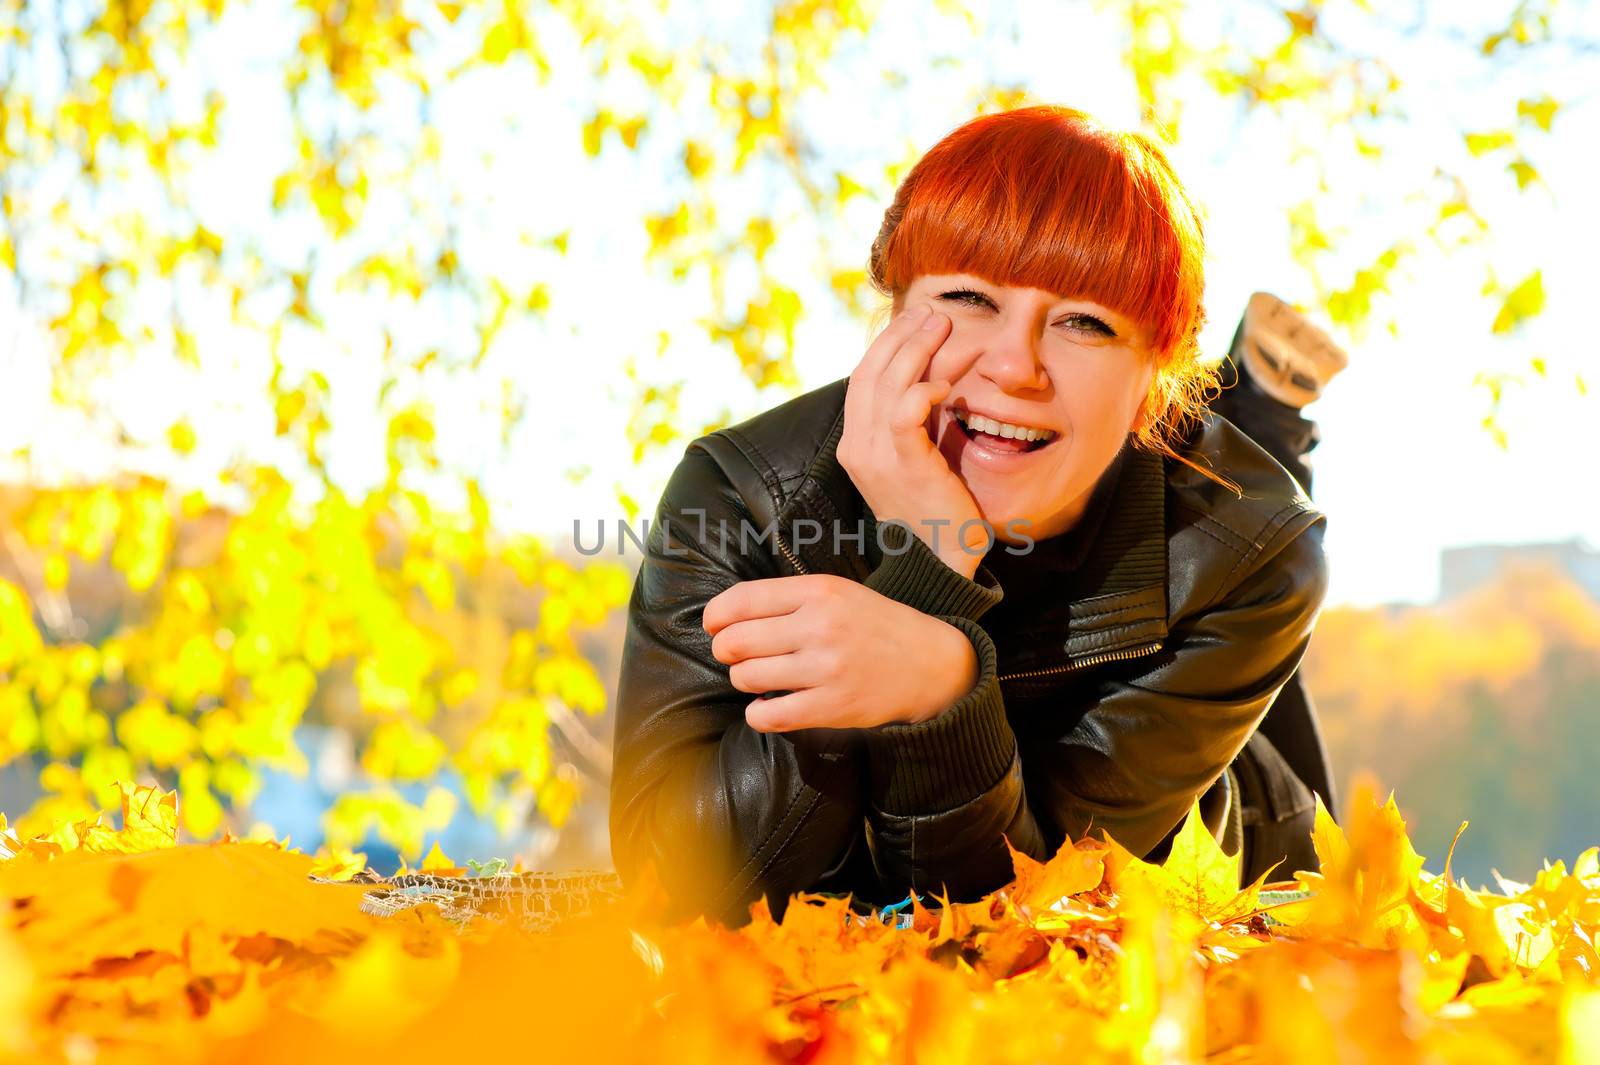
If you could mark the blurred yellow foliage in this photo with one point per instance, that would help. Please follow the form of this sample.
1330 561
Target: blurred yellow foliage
152 949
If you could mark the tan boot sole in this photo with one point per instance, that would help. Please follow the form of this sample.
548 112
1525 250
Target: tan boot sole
1289 357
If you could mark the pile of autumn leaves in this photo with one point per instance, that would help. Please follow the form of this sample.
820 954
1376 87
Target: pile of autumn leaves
120 944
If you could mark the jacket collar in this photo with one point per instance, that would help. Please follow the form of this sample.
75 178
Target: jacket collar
1114 601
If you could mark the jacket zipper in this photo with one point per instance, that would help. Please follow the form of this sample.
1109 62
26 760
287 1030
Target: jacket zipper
1084 663
788 554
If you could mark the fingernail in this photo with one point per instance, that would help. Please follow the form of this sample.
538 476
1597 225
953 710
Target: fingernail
917 313
931 321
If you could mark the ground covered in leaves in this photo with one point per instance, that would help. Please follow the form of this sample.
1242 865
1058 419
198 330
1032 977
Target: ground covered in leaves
123 944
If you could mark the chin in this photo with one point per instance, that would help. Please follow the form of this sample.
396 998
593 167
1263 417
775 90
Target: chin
1000 511
1025 535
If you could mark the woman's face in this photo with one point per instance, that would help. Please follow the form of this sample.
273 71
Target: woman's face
1036 360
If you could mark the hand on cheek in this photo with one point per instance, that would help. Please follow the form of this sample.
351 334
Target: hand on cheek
888 448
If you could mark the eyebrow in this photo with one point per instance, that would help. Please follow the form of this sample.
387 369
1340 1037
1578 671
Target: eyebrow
1056 297
1123 322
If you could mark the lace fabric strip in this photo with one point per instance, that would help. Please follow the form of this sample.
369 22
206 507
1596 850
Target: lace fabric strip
537 901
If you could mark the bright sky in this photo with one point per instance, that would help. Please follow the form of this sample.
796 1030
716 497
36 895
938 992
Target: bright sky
1404 468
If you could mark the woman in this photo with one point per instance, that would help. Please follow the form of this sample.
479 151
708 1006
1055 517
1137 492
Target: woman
1007 583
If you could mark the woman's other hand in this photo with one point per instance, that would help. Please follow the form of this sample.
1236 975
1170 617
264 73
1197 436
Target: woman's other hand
886 449
847 656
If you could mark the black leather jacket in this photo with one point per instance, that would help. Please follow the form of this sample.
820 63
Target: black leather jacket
1133 695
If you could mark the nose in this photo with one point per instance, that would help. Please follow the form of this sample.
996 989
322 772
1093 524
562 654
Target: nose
1011 359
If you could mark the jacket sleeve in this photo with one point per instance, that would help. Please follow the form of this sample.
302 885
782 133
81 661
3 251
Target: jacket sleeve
942 792
945 794
725 813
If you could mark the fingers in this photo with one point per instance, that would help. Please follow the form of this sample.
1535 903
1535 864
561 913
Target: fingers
914 355
745 601
778 673
918 402
763 598
786 713
882 349
890 388
756 638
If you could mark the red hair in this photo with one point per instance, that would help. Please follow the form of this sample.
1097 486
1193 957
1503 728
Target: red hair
1046 197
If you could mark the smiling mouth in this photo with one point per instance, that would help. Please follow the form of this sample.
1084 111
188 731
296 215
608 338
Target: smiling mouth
1002 437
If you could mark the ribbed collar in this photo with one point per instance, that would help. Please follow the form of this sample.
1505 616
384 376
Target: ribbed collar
1058 555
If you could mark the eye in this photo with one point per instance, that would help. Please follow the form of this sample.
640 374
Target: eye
1091 323
977 299
966 295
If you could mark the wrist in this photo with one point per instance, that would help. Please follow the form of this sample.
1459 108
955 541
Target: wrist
910 572
963 560
946 761
954 675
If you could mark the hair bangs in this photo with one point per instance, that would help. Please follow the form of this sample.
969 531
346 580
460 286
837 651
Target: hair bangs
1028 207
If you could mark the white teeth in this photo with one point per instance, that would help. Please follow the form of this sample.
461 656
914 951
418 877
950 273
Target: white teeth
1003 429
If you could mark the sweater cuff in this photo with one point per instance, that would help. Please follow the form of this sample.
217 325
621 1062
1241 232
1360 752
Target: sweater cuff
949 760
912 574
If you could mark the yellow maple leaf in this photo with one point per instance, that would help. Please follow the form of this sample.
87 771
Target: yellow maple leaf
1197 879
338 863
1209 878
439 864
1475 917
1072 870
1367 877
149 818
